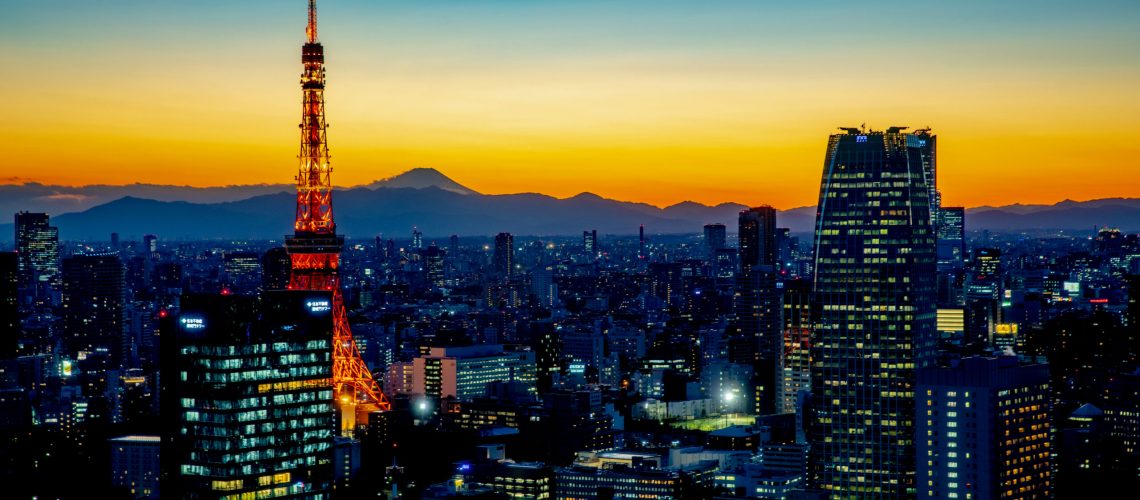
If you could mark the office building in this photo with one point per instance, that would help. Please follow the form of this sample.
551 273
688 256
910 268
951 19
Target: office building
715 238
275 269
638 481
150 245
247 398
242 272
590 242
9 307
925 145
983 430
464 372
795 360
94 297
433 266
135 465
504 257
874 290
983 295
757 302
417 239
951 238
37 245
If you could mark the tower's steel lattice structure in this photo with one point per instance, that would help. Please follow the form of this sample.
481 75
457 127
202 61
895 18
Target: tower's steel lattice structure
314 248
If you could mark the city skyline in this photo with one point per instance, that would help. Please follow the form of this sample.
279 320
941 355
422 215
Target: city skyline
884 342
563 98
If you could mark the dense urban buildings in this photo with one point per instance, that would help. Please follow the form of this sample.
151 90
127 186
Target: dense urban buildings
578 365
888 348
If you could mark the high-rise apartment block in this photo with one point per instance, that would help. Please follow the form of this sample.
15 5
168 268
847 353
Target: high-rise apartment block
984 430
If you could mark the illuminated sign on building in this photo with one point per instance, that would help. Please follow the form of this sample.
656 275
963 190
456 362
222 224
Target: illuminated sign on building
318 305
1006 328
192 323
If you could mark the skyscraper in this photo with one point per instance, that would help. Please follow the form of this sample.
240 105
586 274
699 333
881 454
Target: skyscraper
417 238
926 145
757 301
37 244
590 242
275 268
452 246
242 271
9 309
875 296
504 257
715 237
94 294
983 295
757 234
150 244
951 238
795 360
433 265
641 241
246 396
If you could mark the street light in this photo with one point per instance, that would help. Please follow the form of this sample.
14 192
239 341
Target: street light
729 397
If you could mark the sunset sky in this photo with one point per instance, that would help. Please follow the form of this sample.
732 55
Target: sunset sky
655 101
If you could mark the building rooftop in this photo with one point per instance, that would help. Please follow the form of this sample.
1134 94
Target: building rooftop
136 439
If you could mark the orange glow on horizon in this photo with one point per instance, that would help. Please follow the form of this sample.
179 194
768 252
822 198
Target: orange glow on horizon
659 123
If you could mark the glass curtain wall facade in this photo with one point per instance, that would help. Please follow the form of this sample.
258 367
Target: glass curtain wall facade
874 287
249 396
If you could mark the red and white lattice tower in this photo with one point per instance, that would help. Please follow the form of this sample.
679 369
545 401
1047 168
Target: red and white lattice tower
314 248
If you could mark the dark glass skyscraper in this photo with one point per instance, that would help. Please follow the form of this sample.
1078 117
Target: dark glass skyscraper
715 237
9 310
94 294
590 242
757 233
757 301
246 396
874 290
951 238
504 256
433 264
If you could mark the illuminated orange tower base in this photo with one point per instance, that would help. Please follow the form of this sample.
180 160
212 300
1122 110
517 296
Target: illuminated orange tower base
315 261
314 248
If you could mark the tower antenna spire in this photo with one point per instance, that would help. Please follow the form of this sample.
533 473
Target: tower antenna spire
314 247
311 29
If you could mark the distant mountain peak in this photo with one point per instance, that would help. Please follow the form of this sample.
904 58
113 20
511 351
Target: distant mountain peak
422 178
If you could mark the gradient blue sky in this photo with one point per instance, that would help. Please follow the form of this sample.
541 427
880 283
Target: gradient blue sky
650 101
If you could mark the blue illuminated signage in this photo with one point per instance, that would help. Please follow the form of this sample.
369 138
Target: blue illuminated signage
192 322
318 305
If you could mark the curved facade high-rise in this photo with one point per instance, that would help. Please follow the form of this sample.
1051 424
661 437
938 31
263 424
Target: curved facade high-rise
874 299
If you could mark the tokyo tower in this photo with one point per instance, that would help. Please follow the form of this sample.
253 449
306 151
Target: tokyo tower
314 248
